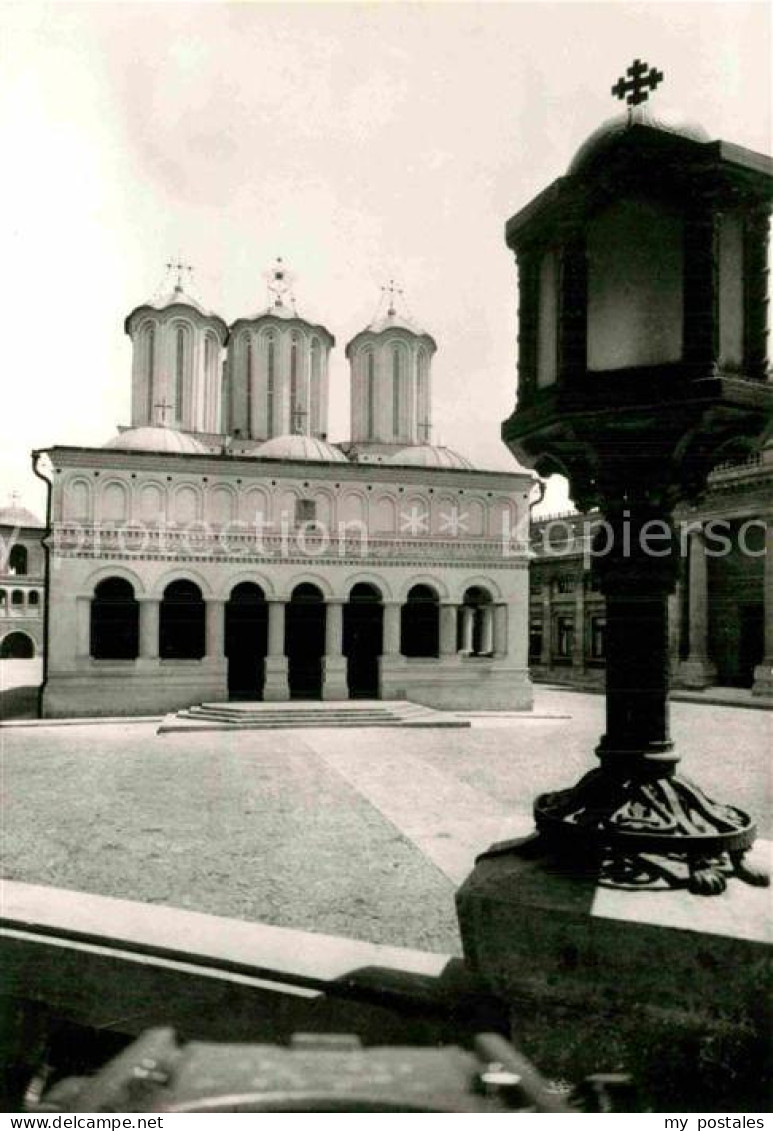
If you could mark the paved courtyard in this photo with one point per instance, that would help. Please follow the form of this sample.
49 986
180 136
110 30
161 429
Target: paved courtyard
363 832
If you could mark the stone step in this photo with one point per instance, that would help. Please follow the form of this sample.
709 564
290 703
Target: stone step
289 715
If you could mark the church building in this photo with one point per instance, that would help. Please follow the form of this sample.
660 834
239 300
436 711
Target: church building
222 547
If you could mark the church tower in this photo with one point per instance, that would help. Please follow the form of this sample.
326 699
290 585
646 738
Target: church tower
391 393
176 364
276 374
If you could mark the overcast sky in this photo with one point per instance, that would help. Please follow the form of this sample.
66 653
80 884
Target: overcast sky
358 141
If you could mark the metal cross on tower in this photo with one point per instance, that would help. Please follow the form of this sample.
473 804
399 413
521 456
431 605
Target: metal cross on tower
280 283
642 80
163 407
392 290
180 268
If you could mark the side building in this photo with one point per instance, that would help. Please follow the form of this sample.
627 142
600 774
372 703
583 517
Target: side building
22 584
721 614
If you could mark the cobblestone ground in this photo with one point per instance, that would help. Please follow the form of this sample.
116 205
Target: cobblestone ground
364 833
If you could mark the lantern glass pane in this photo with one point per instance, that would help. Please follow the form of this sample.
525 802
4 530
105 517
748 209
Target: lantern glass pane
547 328
731 282
635 286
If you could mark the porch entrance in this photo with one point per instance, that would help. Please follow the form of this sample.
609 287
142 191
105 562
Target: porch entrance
305 641
363 640
246 638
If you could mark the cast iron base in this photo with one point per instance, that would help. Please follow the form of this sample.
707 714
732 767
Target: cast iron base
640 827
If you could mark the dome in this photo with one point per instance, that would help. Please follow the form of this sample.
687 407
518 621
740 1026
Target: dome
393 321
295 447
175 296
156 438
19 516
431 455
609 132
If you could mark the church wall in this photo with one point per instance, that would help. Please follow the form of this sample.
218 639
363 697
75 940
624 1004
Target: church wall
219 521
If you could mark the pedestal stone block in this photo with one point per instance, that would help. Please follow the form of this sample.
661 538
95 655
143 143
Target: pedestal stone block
671 987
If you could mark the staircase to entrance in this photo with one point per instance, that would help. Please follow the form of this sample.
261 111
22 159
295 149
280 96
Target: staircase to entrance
295 714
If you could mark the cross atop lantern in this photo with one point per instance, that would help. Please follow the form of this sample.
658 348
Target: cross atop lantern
643 363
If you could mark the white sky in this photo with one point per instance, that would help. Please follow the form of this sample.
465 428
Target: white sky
357 141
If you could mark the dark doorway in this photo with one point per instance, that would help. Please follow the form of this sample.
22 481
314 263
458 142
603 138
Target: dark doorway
305 641
420 623
17 646
246 635
181 622
751 644
363 640
114 621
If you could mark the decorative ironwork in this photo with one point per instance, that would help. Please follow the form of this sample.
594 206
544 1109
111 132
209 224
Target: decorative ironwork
642 80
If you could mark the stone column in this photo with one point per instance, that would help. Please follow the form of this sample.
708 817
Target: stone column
500 630
487 630
334 684
215 631
674 626
276 687
546 624
82 627
763 673
578 646
697 670
149 617
447 631
392 612
468 624
392 664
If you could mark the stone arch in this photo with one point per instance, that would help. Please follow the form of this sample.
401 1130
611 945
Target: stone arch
78 499
307 578
151 501
114 501
222 504
255 500
477 581
365 578
90 583
424 579
186 504
384 515
16 645
475 509
502 518
246 575
180 573
326 512
353 507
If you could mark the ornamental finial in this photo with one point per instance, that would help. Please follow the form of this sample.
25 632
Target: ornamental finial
642 80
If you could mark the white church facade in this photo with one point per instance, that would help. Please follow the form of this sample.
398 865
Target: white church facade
221 547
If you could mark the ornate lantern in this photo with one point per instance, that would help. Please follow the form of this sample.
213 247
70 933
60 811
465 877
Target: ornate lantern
642 364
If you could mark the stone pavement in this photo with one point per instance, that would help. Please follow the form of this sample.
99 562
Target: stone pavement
363 832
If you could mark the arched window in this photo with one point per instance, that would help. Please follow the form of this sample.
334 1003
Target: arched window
179 372
370 395
17 646
315 393
225 415
33 598
181 622
18 561
149 350
294 403
476 623
420 623
396 383
422 398
248 382
270 383
114 621
17 597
